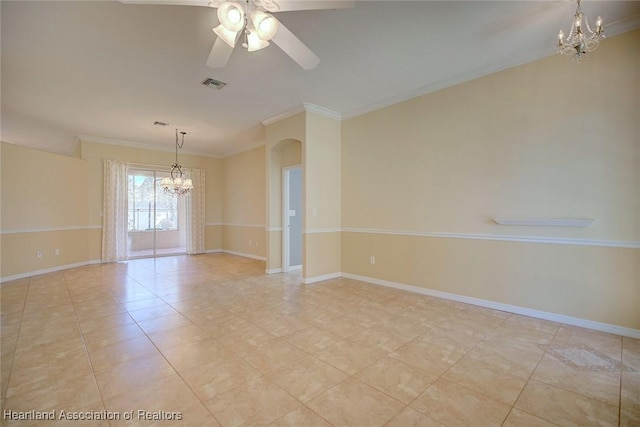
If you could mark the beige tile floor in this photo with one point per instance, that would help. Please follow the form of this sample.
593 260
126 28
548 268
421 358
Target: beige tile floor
218 341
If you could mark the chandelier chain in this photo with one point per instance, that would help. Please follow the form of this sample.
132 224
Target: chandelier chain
175 183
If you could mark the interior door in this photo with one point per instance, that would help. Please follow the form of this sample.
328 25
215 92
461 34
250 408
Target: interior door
293 218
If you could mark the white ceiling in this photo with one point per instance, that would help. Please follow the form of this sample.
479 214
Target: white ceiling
109 70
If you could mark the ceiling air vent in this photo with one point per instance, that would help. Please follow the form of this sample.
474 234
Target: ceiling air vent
213 83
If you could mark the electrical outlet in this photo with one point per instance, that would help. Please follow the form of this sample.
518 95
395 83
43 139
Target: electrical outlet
57 252
257 244
249 242
39 254
372 260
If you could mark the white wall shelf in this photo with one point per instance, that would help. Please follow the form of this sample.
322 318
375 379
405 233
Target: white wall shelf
551 222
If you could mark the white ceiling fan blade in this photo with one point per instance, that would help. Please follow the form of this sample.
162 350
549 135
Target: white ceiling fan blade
168 2
292 46
220 54
290 5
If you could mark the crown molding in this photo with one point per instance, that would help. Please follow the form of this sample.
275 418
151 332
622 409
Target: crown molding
316 109
452 80
76 141
305 107
141 145
284 115
615 28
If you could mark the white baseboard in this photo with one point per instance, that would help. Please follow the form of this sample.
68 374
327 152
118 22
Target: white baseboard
48 270
258 257
273 270
538 314
97 261
310 280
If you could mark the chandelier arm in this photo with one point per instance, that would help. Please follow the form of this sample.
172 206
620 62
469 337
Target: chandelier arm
580 41
591 32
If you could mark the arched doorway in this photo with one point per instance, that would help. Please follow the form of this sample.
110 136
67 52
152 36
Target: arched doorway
285 206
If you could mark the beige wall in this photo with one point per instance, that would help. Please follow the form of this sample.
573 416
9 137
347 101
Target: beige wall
244 240
243 202
321 156
321 255
55 202
43 209
321 159
19 250
94 153
594 283
41 189
550 139
292 154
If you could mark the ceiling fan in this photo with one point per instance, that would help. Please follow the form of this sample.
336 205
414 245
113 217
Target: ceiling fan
253 22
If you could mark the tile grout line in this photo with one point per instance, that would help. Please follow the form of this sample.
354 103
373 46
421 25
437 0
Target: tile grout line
15 349
561 387
316 299
84 345
531 375
440 377
158 349
262 374
620 389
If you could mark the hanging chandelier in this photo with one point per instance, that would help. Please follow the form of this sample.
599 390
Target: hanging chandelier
259 26
580 41
176 184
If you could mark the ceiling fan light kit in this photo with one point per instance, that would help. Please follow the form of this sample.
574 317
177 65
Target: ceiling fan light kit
266 25
231 15
253 42
251 18
259 26
228 36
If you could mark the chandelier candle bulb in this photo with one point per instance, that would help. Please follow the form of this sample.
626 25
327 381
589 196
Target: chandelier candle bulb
578 42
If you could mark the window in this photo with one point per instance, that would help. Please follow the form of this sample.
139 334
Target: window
149 207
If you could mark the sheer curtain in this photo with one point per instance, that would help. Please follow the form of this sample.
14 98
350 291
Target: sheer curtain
114 212
195 207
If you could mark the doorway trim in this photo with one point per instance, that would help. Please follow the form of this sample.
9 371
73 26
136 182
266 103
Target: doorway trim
285 219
